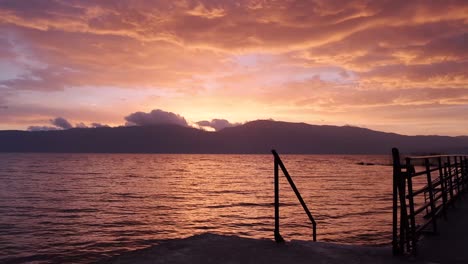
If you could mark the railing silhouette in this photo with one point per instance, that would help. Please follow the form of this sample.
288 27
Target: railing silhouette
446 177
279 164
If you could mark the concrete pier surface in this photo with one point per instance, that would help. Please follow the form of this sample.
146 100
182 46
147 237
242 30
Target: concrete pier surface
210 248
450 245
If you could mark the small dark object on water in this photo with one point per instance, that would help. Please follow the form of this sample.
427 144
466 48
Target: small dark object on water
366 163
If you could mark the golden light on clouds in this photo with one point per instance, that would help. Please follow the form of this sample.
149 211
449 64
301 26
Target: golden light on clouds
396 66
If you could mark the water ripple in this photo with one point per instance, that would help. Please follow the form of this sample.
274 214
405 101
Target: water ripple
78 208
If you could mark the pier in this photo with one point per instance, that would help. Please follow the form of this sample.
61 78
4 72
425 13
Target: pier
424 190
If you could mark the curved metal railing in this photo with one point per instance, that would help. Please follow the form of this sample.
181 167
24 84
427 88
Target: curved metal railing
279 164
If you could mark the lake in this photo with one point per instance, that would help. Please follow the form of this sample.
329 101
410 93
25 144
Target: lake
84 207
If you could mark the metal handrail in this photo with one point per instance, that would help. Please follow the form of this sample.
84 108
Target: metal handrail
434 156
446 178
279 164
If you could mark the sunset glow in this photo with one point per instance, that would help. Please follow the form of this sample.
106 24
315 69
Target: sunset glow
396 66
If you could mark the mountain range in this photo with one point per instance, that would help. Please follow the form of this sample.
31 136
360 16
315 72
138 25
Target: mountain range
256 137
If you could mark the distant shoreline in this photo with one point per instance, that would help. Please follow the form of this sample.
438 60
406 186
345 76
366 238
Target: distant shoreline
257 137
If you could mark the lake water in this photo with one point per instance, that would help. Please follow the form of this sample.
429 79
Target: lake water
84 207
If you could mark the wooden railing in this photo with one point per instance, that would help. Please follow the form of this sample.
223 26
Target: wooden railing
423 188
279 164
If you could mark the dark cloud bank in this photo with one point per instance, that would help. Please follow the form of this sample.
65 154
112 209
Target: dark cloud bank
57 123
155 117
60 123
217 124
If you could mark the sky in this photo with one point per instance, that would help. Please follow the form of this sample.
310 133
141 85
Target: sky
395 66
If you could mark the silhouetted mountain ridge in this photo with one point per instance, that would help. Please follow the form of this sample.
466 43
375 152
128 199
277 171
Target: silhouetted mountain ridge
253 137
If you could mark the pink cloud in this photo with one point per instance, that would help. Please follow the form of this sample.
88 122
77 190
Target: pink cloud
317 56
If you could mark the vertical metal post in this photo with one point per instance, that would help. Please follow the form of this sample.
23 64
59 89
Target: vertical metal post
403 213
443 187
278 237
396 176
457 174
412 229
431 194
314 232
465 172
462 173
449 173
